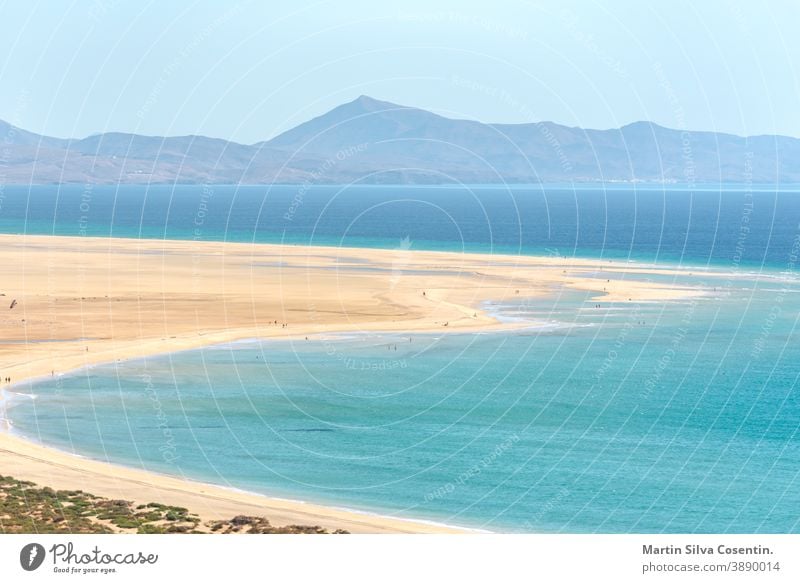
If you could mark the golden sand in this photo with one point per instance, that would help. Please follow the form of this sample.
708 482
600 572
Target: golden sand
82 301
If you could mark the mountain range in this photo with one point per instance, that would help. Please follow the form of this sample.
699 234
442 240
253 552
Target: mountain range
371 141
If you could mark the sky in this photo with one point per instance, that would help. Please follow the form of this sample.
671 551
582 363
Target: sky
248 70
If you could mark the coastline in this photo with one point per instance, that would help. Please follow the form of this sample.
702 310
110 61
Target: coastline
210 501
130 299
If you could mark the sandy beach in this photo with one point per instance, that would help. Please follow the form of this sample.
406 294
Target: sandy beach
83 301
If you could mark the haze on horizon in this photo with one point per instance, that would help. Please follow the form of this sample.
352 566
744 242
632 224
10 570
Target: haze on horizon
247 72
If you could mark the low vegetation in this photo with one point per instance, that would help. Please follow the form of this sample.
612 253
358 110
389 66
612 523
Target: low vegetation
28 508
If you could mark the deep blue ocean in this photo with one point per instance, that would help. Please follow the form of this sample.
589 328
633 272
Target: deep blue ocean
701 225
655 417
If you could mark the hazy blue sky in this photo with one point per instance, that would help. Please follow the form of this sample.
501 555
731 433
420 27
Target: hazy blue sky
248 70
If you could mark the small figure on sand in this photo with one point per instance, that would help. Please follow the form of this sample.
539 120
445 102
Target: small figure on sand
13 303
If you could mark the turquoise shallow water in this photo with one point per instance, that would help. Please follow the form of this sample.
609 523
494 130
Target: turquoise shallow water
673 417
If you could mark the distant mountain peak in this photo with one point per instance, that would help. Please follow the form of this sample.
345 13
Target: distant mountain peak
366 104
367 101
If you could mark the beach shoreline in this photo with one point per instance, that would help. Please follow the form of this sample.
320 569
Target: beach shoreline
86 301
223 502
